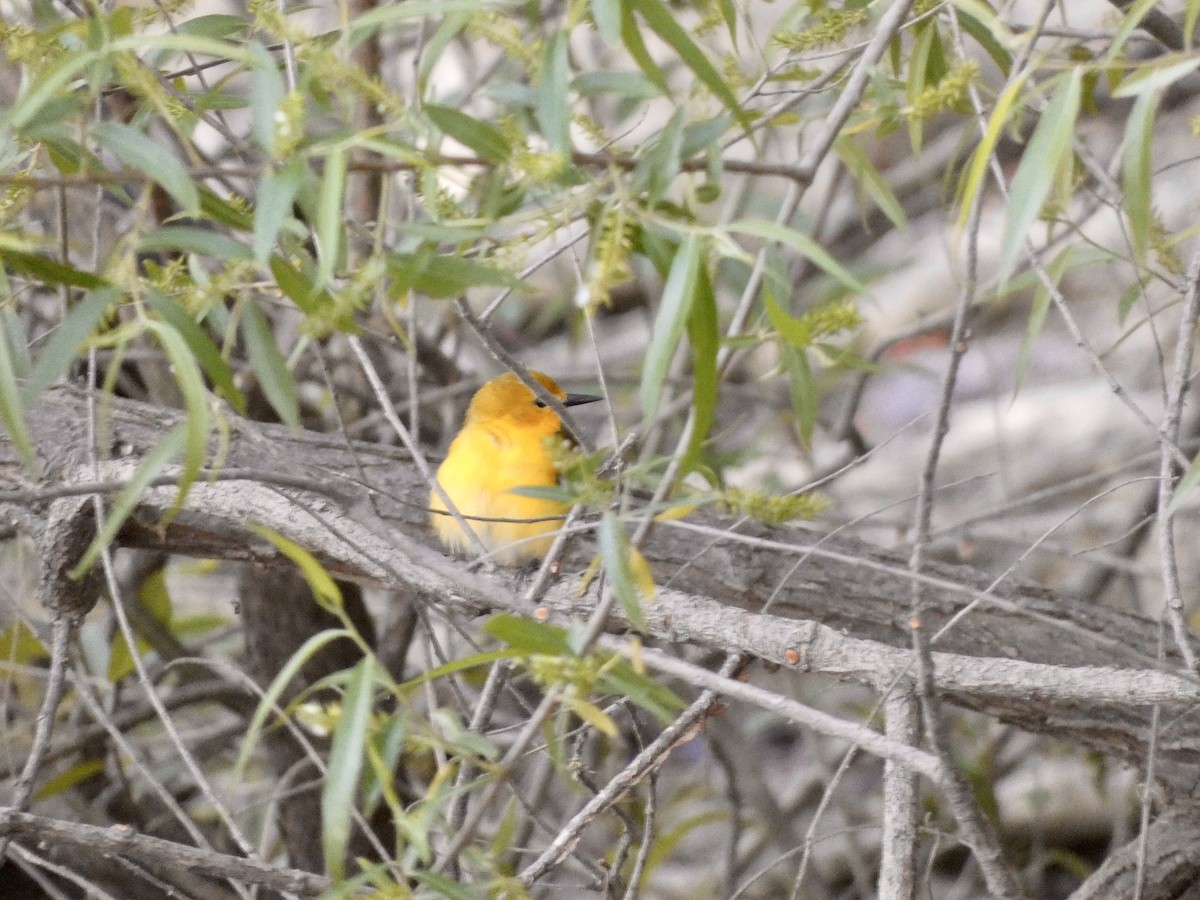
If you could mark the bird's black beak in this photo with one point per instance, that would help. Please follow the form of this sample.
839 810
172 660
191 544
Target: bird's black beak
580 399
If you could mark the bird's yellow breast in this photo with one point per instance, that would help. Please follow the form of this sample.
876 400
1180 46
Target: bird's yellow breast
485 462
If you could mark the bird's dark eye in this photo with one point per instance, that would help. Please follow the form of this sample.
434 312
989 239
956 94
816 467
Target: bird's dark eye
540 404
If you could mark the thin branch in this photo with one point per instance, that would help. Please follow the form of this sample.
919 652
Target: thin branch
1176 391
123 841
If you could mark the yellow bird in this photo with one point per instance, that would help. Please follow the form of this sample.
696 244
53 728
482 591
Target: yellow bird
501 446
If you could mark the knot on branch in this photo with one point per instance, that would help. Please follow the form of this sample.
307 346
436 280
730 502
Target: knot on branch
69 528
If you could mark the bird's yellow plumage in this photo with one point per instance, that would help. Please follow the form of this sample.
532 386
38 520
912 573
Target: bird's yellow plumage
501 446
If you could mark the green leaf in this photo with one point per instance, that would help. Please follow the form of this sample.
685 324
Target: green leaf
171 446
592 715
1150 78
213 26
324 588
484 138
554 112
269 365
267 91
11 409
985 36
62 348
330 214
705 338
803 385
297 286
631 36
413 10
345 767
657 699
76 774
1135 171
869 180
615 553
464 664
46 88
273 204
801 243
270 698
981 157
1047 150
445 276
529 637
606 14
195 400
189 239
49 271
657 169
1133 18
446 886
153 160
663 23
630 85
673 311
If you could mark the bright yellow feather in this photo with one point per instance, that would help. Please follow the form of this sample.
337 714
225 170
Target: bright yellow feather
501 446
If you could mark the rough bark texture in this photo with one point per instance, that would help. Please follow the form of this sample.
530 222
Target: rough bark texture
835 605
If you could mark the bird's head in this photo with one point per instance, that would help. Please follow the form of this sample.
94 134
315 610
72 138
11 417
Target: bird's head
505 398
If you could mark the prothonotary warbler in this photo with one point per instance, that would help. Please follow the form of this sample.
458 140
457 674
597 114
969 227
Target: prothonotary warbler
501 446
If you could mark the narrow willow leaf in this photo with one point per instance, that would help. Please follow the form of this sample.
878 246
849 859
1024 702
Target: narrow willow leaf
631 37
171 446
271 697
445 886
606 14
445 276
705 338
804 245
188 239
297 285
663 23
214 25
1135 171
330 215
1133 18
145 155
1047 150
1151 78
657 699
267 91
673 311
49 271
805 395
973 180
592 715
62 348
554 112
324 588
527 636
12 410
345 767
273 204
46 88
412 10
874 185
269 365
614 553
198 422
484 138
986 34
